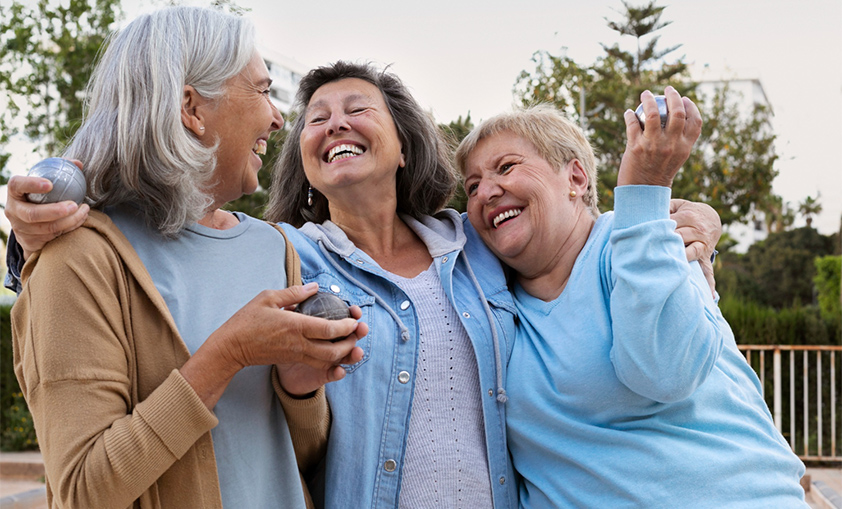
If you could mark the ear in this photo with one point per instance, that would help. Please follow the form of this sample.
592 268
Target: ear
577 177
402 164
191 115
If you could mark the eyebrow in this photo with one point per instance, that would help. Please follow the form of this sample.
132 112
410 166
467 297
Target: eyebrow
350 98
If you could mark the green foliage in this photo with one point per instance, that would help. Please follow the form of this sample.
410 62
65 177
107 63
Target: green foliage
732 166
17 432
454 133
809 208
777 272
47 54
828 280
755 324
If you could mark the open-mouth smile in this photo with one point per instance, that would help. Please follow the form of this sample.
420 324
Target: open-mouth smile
505 216
343 151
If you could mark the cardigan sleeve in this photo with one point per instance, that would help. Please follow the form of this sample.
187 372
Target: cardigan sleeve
73 341
309 424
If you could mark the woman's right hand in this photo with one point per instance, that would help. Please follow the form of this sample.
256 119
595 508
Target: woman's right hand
36 224
264 332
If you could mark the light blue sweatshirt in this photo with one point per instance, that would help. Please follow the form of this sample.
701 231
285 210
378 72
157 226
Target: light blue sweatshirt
628 390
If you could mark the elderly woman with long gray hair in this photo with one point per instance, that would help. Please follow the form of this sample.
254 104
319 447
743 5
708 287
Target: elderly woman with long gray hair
145 339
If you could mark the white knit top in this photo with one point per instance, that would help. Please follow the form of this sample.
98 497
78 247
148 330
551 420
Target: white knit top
445 463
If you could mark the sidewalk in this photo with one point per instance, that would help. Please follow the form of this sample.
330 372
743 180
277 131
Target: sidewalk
21 481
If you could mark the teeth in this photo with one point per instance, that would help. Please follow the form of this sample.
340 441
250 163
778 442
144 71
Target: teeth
259 147
506 215
340 152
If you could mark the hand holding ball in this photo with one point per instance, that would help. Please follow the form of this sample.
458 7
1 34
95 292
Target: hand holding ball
324 305
68 181
661 101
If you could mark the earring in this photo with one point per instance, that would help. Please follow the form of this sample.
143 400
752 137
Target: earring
310 196
202 128
572 194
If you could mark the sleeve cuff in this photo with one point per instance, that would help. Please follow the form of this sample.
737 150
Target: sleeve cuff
176 414
634 205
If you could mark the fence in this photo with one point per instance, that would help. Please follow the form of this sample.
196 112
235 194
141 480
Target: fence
811 376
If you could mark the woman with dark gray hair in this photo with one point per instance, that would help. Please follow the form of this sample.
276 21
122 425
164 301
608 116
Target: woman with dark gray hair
145 340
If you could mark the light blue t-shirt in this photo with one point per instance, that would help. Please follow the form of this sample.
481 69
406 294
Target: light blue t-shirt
628 389
205 276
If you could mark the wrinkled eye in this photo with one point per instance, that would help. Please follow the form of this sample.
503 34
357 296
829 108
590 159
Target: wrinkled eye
506 167
471 189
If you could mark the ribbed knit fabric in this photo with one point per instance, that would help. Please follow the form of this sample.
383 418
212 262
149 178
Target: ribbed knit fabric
445 463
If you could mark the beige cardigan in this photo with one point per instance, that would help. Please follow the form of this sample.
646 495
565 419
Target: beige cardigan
97 355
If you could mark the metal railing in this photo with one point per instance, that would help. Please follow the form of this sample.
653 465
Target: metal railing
811 376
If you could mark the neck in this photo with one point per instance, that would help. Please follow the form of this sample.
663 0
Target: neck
377 230
547 281
219 219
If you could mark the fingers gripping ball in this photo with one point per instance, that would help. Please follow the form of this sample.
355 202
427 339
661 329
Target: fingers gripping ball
661 101
68 181
325 305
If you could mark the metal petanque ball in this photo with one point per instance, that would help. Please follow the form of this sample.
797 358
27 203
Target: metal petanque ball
661 101
68 181
325 305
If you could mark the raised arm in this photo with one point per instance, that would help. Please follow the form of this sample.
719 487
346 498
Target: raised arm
666 336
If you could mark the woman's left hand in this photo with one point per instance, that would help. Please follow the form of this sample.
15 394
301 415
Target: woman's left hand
653 156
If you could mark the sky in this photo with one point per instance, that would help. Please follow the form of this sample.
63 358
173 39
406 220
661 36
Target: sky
460 56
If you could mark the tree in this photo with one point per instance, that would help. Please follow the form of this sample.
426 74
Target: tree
778 271
454 133
47 54
810 207
732 166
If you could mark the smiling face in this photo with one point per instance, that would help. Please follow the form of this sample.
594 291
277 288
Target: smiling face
240 122
350 141
519 204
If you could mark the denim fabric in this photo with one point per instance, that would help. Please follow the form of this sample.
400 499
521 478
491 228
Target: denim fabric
371 406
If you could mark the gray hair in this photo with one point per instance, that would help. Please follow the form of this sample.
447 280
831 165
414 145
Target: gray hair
133 143
556 138
424 186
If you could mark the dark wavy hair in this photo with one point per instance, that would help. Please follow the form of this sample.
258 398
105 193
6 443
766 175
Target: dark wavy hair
424 185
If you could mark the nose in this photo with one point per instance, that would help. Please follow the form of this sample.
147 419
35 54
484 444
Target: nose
337 123
277 119
487 190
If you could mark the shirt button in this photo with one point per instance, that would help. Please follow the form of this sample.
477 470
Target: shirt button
502 480
403 377
444 259
491 392
335 288
404 305
359 261
390 465
466 314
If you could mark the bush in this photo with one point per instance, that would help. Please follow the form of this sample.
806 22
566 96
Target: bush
755 324
17 433
827 281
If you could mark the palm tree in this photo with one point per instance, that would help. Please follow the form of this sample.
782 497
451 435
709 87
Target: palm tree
810 207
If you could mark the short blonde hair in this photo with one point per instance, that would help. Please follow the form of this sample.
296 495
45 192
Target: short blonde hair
557 139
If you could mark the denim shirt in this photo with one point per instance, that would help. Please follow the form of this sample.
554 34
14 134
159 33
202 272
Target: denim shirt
371 405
